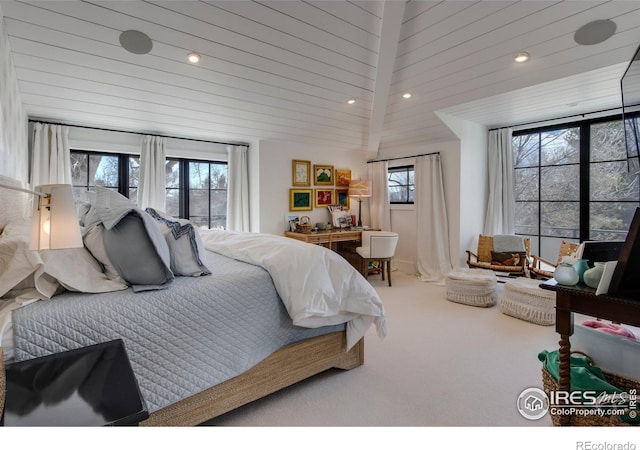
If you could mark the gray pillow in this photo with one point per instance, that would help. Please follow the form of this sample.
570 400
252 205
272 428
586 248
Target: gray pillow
133 242
188 257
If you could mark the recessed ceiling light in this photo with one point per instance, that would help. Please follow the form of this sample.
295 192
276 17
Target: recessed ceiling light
406 95
595 32
522 57
351 101
193 58
135 42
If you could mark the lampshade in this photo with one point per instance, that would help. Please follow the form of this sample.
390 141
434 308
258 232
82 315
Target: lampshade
54 224
359 188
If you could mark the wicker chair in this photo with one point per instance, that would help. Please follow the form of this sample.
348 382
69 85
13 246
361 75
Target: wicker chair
543 269
483 259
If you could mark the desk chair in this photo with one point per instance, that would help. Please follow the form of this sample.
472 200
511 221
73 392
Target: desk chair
377 246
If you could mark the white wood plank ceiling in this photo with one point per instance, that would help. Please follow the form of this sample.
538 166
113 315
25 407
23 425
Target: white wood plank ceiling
284 70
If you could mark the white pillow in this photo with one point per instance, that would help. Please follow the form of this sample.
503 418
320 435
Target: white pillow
75 269
188 256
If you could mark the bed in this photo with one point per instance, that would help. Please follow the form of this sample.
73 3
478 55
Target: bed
233 317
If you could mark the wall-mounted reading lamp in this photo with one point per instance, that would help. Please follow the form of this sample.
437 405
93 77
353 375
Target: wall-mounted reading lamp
54 224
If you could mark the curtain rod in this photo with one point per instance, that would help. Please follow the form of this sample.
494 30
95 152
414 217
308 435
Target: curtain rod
618 108
403 157
135 132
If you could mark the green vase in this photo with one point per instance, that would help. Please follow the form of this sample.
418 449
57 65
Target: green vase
581 267
593 275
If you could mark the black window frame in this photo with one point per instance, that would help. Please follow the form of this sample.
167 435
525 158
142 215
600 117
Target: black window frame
585 163
123 178
410 186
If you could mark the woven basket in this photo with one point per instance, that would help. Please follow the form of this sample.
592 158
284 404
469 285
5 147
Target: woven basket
625 384
523 299
472 287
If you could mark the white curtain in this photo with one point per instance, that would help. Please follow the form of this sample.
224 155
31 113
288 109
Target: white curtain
152 183
238 188
50 158
500 218
432 239
379 201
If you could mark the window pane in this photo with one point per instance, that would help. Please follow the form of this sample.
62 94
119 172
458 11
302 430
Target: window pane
199 175
561 219
527 218
79 168
396 178
198 202
218 176
611 181
560 146
134 177
397 193
134 172
105 169
610 221
172 203
219 203
172 171
560 183
607 141
400 184
526 184
525 150
200 222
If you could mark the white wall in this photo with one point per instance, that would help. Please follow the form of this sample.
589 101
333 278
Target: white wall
275 160
472 182
122 142
13 119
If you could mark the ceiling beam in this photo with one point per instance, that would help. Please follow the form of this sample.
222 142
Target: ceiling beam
392 16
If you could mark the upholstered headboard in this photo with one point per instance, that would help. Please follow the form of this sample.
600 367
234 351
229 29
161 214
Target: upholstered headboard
13 204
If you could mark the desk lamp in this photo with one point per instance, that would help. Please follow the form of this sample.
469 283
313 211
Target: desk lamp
359 189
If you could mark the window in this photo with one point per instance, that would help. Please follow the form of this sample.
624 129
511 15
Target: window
401 184
196 190
572 182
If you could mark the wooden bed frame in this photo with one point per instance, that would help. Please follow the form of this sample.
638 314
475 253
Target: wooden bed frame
284 367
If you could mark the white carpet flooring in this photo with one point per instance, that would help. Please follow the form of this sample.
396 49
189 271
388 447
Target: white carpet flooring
441 364
446 372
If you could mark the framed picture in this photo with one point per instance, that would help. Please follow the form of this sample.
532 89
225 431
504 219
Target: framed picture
342 198
324 197
323 175
300 199
343 176
301 173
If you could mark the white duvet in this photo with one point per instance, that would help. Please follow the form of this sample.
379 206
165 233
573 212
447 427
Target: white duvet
317 286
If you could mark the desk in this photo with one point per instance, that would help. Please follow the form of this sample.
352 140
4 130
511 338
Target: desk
583 299
327 238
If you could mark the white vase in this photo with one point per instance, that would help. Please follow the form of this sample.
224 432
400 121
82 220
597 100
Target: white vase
566 275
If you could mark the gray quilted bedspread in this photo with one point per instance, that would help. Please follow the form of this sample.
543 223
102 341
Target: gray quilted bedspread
181 340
